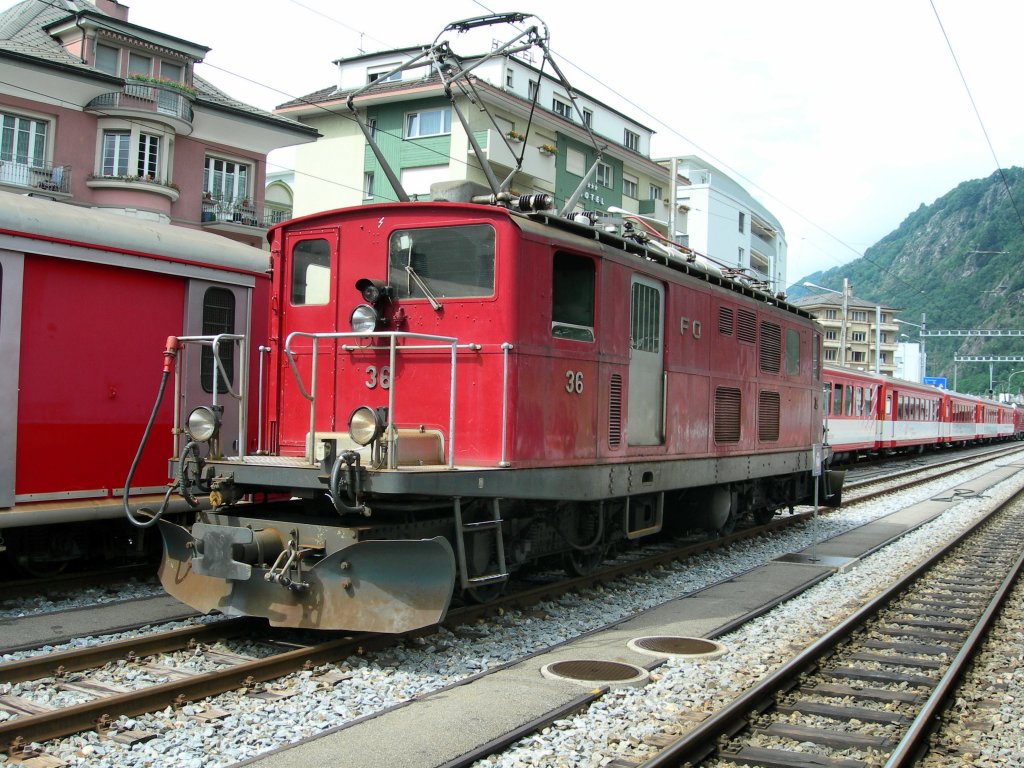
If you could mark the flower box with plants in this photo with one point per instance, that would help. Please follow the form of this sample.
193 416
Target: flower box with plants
515 136
163 82
548 149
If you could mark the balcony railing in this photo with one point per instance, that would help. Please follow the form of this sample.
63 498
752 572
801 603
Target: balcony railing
43 176
244 212
146 98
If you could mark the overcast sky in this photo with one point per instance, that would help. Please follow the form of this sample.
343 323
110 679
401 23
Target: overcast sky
842 118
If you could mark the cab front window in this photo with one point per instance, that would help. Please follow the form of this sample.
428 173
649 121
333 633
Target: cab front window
442 262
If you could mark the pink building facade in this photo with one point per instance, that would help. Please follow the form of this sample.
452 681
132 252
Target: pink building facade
101 113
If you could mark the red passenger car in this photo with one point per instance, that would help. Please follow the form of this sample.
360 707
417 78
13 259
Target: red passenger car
872 414
85 299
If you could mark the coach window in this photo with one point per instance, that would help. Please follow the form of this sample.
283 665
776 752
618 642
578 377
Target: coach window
218 317
858 401
572 297
311 272
837 400
848 400
442 262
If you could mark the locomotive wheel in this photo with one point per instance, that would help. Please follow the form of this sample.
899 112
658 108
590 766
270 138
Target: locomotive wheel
763 516
40 554
485 594
584 562
729 526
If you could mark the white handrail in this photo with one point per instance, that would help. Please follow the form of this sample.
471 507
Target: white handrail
449 343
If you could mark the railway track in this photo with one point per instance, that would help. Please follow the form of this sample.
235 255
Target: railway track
235 670
868 691
33 723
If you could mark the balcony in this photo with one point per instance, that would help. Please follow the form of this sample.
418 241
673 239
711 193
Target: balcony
149 184
229 215
536 162
35 177
149 101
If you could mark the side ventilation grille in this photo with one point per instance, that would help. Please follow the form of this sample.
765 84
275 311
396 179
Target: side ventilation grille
725 321
747 330
727 415
771 347
615 411
768 406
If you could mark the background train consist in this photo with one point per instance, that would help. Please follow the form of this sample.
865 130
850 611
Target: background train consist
870 414
84 300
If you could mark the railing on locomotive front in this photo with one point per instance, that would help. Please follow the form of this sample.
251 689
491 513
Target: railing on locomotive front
237 390
446 342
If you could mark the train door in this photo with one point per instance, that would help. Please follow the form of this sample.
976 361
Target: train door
11 269
886 423
212 308
646 404
308 303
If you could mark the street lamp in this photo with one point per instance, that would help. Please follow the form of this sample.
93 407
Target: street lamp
1009 379
924 356
845 293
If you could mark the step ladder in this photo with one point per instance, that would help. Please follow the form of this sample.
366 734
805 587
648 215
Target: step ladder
461 529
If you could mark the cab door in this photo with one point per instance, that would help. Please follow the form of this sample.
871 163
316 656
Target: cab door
11 270
646 403
307 302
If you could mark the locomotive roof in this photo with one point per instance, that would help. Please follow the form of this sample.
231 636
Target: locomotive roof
549 224
59 222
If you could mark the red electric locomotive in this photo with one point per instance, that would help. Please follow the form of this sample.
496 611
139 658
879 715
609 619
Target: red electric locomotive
73 281
464 387
459 390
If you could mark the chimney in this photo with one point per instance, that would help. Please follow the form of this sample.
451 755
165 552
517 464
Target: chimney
113 8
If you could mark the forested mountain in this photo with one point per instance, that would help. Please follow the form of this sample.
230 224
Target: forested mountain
957 260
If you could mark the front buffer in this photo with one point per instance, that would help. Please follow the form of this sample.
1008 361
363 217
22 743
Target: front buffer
369 586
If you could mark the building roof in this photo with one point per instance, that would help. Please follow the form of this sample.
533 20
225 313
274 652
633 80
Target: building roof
24 36
333 95
330 94
836 300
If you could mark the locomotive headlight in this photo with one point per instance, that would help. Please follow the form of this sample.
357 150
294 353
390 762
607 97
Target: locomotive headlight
373 290
365 425
364 319
203 423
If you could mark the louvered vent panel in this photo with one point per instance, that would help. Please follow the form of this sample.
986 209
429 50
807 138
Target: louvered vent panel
771 347
768 405
747 330
615 412
725 321
727 415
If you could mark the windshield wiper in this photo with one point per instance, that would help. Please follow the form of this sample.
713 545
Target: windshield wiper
423 287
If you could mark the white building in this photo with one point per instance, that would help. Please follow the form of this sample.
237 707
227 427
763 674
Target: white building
719 218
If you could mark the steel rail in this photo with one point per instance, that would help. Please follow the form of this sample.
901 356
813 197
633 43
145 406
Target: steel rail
702 741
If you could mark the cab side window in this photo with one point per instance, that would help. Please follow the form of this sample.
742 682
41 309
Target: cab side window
311 272
572 297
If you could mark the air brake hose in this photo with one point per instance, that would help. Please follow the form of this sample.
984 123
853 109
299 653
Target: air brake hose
170 353
348 458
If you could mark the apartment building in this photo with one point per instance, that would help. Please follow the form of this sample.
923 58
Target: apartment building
412 121
102 113
867 335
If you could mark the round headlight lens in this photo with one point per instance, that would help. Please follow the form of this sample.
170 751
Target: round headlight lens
363 426
363 319
202 424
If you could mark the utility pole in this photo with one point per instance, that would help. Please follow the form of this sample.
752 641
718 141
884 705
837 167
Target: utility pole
842 327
